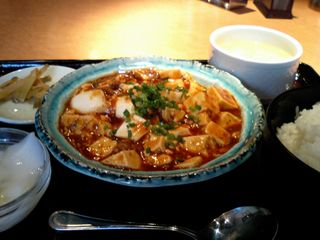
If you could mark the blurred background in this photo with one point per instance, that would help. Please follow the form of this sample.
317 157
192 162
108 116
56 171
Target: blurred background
101 29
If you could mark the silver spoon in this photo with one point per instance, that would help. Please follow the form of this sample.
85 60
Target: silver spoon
247 222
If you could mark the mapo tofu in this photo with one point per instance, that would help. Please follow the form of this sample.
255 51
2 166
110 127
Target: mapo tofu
151 119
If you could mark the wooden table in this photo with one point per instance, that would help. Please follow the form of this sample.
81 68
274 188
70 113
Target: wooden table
101 29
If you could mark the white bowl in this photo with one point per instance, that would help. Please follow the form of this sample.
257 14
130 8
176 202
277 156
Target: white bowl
264 59
24 177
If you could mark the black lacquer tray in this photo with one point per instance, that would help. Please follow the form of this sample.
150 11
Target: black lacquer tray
262 180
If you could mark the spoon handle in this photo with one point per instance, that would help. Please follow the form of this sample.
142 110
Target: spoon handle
69 221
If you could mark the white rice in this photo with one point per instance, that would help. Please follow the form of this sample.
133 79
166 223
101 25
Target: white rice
302 137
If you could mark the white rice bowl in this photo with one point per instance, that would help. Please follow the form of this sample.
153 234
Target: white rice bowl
302 137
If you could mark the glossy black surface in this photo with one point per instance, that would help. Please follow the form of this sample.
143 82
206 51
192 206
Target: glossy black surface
263 180
272 8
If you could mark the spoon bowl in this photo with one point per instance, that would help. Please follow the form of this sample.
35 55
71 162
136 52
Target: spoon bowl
247 222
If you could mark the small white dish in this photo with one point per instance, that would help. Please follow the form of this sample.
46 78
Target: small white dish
23 113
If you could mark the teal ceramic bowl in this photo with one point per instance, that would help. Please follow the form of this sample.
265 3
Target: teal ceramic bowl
47 118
